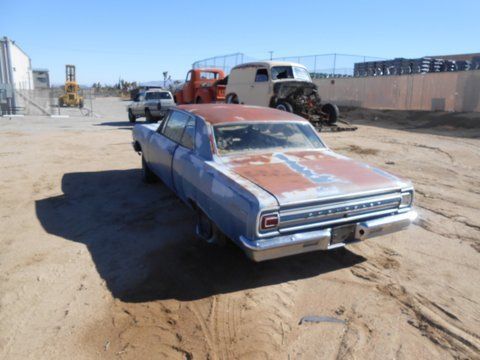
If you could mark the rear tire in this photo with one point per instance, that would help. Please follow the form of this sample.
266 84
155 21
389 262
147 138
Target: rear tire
147 175
198 100
131 117
207 230
284 106
232 99
80 104
148 116
60 102
332 113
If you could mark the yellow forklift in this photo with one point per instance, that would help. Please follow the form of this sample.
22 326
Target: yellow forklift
71 97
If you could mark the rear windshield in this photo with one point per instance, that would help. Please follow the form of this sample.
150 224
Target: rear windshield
265 137
158 96
206 75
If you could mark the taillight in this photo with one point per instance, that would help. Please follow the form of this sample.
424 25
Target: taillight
269 221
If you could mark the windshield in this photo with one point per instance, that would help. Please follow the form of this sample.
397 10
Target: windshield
265 136
290 72
158 95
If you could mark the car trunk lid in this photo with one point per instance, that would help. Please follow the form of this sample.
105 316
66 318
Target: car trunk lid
311 175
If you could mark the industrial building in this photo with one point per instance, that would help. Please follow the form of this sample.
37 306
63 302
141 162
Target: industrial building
15 74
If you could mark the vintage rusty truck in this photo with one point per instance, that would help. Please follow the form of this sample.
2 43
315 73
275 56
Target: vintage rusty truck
202 86
282 85
265 179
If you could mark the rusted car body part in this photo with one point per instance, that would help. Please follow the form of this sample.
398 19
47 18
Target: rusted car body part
202 86
301 98
265 179
340 125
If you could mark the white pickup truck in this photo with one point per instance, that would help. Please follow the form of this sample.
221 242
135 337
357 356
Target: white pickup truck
152 104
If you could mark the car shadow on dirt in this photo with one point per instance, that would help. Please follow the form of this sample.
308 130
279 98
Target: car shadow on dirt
141 240
125 123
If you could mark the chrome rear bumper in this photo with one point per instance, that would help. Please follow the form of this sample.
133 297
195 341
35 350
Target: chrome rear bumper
285 245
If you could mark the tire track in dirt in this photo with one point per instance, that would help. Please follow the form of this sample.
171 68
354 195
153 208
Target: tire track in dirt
249 324
422 146
441 331
205 329
439 325
357 335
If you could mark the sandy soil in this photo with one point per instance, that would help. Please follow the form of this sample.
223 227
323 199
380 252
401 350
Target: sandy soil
96 264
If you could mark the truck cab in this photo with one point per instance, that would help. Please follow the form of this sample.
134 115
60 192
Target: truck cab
253 83
202 86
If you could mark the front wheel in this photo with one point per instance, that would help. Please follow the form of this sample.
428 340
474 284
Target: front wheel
131 117
147 175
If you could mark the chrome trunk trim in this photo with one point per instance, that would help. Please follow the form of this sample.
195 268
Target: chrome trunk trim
337 212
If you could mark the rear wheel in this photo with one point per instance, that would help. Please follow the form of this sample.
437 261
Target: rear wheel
331 112
198 100
232 99
208 231
148 116
147 175
284 106
131 117
80 104
60 102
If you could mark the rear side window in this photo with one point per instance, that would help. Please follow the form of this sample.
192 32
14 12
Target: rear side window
188 138
175 125
261 75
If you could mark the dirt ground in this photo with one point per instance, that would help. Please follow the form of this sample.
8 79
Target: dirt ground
96 264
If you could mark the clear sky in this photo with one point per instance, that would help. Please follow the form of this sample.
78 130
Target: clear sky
138 40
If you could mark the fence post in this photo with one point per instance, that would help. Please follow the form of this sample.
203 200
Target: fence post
334 63
91 103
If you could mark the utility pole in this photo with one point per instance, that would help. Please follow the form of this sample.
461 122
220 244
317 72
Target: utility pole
271 54
165 76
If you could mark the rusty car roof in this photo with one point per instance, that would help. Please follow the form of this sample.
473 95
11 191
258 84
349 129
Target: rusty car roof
231 113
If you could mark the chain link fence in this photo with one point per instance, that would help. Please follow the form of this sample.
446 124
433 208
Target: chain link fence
329 65
319 66
43 102
224 62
